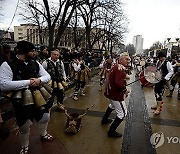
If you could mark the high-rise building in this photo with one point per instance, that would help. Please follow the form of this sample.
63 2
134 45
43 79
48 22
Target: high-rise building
138 43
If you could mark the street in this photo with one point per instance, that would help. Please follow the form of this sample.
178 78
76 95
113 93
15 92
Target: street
92 138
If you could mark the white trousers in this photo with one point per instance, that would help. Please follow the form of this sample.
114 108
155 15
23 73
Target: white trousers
25 129
120 108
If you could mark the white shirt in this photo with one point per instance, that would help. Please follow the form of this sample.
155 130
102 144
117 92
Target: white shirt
77 67
174 65
102 64
6 78
169 68
44 64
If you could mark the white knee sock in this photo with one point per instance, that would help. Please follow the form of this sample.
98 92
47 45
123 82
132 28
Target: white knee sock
24 133
42 128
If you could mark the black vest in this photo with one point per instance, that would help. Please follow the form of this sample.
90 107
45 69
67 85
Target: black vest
163 69
22 71
55 71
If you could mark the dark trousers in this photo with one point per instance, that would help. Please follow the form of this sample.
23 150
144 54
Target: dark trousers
102 81
78 85
173 84
59 94
159 89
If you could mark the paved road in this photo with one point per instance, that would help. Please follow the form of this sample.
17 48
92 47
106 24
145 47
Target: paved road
136 129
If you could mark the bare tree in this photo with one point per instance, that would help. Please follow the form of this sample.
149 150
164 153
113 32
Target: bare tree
34 17
157 45
78 31
146 51
130 49
56 15
104 23
115 24
87 11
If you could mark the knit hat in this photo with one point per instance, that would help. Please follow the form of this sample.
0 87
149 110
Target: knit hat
161 54
24 47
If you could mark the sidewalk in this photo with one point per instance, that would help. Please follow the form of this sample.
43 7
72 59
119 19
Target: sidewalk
12 144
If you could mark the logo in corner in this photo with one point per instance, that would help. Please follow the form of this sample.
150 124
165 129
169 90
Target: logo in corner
157 139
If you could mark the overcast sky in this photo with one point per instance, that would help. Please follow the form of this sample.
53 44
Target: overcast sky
155 20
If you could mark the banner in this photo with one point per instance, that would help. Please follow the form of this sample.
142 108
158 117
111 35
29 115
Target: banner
169 50
155 51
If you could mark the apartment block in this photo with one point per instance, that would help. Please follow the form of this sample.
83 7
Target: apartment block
138 43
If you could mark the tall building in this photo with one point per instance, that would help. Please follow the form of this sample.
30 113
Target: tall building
138 43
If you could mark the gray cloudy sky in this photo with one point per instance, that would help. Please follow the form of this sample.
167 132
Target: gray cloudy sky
155 20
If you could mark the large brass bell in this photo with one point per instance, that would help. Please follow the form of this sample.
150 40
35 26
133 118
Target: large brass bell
82 75
45 93
76 75
89 74
64 84
28 97
50 83
8 94
55 84
48 88
39 100
60 86
18 95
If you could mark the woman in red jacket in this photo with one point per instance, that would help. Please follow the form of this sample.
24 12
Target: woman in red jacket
115 92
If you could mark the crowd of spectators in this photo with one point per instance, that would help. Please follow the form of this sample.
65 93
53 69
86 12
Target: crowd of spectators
92 59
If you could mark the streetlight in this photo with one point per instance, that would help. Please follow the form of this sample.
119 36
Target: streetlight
168 39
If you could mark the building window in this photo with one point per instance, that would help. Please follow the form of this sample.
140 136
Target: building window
20 29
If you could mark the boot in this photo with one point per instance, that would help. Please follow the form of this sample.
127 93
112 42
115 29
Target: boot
112 130
170 94
82 92
75 98
159 107
60 107
154 107
105 119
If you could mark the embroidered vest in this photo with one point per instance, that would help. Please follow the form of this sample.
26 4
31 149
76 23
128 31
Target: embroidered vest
56 72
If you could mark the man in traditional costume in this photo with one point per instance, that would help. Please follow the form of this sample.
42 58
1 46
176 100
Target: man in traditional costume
23 77
166 70
175 79
105 67
81 75
55 68
116 92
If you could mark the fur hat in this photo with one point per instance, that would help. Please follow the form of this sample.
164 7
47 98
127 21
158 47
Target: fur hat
24 47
